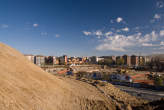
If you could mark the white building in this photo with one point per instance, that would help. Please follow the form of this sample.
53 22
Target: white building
30 58
39 60
99 59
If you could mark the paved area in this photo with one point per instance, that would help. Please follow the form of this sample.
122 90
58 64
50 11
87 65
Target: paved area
142 93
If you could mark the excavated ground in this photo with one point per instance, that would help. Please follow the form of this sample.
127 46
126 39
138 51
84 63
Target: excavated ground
24 86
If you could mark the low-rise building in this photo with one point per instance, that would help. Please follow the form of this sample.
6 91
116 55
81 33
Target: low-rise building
127 60
93 59
55 60
119 60
39 60
113 58
99 59
147 59
30 58
63 60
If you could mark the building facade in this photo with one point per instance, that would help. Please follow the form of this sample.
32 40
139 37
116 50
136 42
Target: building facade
30 58
141 60
127 60
134 60
63 60
39 60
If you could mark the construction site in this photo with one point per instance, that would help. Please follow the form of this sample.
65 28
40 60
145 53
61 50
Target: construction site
25 86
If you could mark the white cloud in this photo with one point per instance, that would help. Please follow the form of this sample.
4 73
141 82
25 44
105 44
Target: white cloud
160 4
161 48
137 28
149 45
157 16
111 21
4 26
119 42
44 33
149 37
108 33
162 43
118 30
162 33
87 33
35 25
107 46
154 36
126 29
116 43
152 20
119 19
57 35
98 33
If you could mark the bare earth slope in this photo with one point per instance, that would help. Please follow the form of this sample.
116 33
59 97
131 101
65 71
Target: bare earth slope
24 86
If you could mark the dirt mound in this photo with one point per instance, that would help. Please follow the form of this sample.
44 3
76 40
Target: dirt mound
119 98
24 86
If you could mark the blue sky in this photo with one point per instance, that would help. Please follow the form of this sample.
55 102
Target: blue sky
83 27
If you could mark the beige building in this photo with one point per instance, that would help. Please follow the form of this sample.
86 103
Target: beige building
127 60
147 59
55 61
141 60
30 58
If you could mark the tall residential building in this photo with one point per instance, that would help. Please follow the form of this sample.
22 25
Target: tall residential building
134 60
127 60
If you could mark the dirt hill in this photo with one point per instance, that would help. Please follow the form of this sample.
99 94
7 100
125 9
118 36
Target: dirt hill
24 86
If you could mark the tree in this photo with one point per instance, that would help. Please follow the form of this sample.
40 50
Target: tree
120 61
101 62
158 81
108 62
49 60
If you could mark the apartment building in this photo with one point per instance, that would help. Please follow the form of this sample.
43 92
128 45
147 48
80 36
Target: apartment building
93 60
55 60
99 59
134 60
39 60
127 60
63 60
